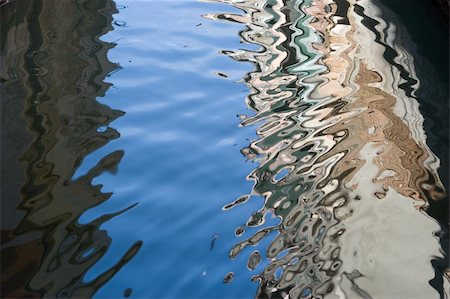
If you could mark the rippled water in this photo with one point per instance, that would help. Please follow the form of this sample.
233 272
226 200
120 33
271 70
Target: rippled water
139 160
342 154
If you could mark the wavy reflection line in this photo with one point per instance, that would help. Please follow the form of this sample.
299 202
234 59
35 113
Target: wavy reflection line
54 59
341 136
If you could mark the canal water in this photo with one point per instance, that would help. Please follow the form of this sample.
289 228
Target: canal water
224 149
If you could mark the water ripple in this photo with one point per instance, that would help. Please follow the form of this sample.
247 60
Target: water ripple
56 65
342 157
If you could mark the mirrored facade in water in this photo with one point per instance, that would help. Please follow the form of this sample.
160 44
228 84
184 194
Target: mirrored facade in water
54 67
343 160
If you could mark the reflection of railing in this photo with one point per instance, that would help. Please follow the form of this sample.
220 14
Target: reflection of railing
53 57
340 133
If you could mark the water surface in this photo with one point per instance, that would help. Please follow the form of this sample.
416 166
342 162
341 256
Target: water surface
157 149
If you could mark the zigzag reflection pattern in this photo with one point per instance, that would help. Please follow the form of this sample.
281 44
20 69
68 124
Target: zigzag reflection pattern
340 133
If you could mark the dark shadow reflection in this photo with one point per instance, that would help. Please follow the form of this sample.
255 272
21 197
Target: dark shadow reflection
53 69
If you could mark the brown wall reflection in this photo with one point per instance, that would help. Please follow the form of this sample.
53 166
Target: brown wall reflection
53 69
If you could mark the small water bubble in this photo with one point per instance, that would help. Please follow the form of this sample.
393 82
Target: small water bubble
254 260
102 129
239 231
120 23
87 252
222 75
281 174
242 199
235 250
256 219
306 293
335 265
278 273
213 241
286 204
127 292
380 195
229 277
306 158
227 206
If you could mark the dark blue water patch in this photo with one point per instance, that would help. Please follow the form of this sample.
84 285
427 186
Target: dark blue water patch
87 253
281 174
